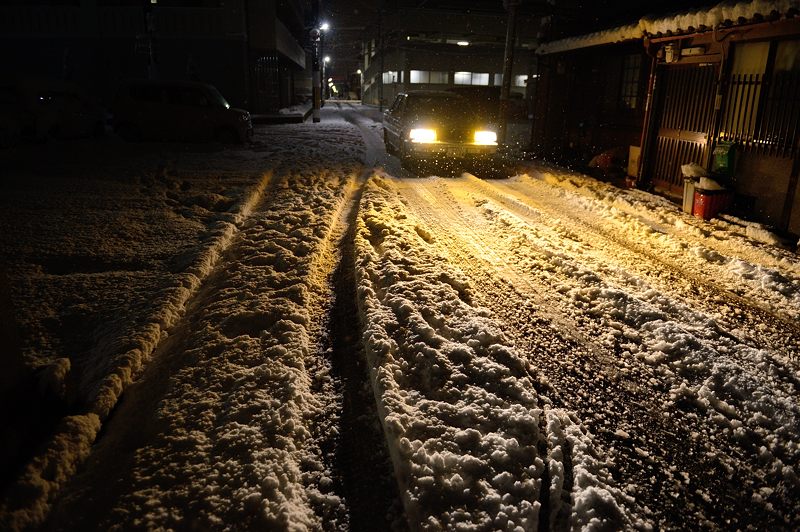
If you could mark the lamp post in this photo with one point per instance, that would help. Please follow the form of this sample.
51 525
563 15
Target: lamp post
325 61
508 62
360 85
316 77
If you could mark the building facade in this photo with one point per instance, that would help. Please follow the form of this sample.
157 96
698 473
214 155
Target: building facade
252 50
718 86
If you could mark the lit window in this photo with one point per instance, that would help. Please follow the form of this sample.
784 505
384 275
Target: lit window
462 78
498 79
420 76
519 81
471 78
390 77
480 78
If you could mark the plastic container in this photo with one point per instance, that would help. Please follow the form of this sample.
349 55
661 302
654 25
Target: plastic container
688 195
709 203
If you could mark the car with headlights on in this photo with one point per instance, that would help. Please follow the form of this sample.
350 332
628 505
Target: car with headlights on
437 126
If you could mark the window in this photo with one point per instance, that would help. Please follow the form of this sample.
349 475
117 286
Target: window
390 76
480 78
759 111
471 78
399 100
520 81
420 76
462 78
438 76
186 96
498 79
424 76
629 89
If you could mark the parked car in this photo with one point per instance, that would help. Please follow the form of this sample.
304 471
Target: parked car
437 125
178 110
42 109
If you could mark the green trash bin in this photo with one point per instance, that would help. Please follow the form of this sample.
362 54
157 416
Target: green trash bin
723 159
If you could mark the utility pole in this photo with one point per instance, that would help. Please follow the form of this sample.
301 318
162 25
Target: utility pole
322 79
382 51
316 80
508 63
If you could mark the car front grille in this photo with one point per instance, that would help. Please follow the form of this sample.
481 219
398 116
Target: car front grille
455 134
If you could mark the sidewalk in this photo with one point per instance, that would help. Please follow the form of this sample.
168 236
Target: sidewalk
295 114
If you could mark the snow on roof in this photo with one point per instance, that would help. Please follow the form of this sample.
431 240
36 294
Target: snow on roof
688 21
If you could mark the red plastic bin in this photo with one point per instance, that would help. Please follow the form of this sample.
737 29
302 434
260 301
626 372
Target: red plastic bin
709 203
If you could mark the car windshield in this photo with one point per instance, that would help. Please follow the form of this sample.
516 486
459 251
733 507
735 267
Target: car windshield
217 98
443 106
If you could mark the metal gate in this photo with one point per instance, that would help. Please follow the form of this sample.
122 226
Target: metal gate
686 110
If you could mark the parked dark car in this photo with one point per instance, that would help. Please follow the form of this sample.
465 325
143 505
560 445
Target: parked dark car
178 110
437 125
43 109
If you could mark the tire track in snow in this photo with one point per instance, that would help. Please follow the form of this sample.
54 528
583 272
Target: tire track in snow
349 431
231 440
747 480
633 383
28 500
493 284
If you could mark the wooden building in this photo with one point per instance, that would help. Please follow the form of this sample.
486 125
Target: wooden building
711 86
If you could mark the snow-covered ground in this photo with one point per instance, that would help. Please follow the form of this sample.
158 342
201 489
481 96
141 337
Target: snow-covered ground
300 335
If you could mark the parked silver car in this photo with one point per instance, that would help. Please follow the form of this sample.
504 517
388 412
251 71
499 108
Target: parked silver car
178 110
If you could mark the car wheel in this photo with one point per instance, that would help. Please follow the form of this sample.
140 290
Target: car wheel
227 136
408 161
387 144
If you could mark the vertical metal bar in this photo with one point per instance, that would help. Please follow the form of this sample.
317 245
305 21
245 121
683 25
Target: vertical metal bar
780 118
725 116
773 106
761 108
738 107
760 132
671 99
682 114
707 110
747 110
695 80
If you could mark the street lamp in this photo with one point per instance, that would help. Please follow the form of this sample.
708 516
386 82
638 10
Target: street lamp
360 85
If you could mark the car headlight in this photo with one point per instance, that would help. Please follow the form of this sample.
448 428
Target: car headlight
422 135
485 137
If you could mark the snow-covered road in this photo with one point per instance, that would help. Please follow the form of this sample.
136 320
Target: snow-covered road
362 348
